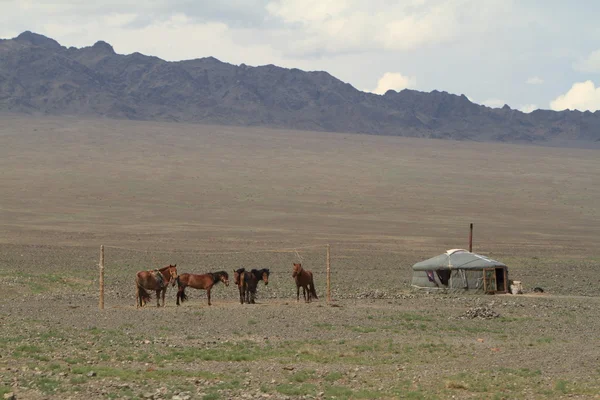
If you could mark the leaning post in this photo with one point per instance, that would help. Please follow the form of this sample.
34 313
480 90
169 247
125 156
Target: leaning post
328 276
101 302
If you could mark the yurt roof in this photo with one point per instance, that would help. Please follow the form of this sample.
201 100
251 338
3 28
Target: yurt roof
457 259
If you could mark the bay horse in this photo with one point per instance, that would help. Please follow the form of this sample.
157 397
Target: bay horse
238 279
157 280
304 278
203 281
247 282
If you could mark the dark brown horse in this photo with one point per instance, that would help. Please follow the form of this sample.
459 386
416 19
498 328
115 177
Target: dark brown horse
157 280
238 279
304 278
204 281
251 280
247 282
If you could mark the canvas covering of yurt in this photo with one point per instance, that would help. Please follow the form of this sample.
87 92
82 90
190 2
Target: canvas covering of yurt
458 270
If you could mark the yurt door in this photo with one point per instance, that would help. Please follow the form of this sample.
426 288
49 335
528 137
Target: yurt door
494 280
489 280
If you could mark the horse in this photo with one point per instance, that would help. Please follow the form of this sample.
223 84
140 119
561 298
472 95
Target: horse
248 281
251 280
304 278
157 280
238 279
204 281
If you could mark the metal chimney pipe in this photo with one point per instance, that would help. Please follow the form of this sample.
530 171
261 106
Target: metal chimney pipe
471 238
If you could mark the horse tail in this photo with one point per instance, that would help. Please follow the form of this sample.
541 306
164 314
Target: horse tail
182 296
313 292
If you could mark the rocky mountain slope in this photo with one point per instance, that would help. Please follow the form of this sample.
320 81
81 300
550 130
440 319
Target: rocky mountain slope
37 74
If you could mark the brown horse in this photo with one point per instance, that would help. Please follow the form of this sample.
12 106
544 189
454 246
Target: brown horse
204 281
238 279
157 280
248 281
304 278
251 280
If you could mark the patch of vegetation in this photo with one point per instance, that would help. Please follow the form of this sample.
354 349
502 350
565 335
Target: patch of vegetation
333 376
47 385
302 376
324 325
139 374
362 348
338 392
304 389
78 380
561 386
245 351
363 329
368 394
4 389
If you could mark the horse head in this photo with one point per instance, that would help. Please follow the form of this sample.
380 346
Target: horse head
224 277
173 273
265 275
297 270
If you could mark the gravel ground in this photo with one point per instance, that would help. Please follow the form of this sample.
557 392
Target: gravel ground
377 339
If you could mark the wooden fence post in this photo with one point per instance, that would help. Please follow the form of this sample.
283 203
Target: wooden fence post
101 304
328 276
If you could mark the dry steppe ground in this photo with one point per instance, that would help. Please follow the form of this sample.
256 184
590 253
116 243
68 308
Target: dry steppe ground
217 198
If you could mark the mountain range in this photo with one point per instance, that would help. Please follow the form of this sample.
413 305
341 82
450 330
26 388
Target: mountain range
38 75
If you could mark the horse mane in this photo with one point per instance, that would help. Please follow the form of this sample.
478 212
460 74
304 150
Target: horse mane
240 270
216 276
163 269
258 272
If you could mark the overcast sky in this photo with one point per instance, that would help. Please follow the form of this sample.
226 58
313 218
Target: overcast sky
528 53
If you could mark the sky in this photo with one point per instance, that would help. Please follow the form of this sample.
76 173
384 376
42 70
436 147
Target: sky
528 54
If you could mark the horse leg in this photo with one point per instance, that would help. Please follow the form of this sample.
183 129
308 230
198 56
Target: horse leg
308 293
208 295
241 296
164 292
137 296
304 293
297 293
158 298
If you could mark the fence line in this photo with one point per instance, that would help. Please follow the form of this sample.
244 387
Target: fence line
282 250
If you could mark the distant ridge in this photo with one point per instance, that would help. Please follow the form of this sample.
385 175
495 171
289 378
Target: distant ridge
37 74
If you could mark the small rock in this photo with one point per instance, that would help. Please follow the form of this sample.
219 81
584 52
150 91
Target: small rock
91 374
10 396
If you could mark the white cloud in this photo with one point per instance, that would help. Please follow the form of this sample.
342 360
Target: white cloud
535 80
590 64
582 96
395 81
330 26
494 103
527 108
